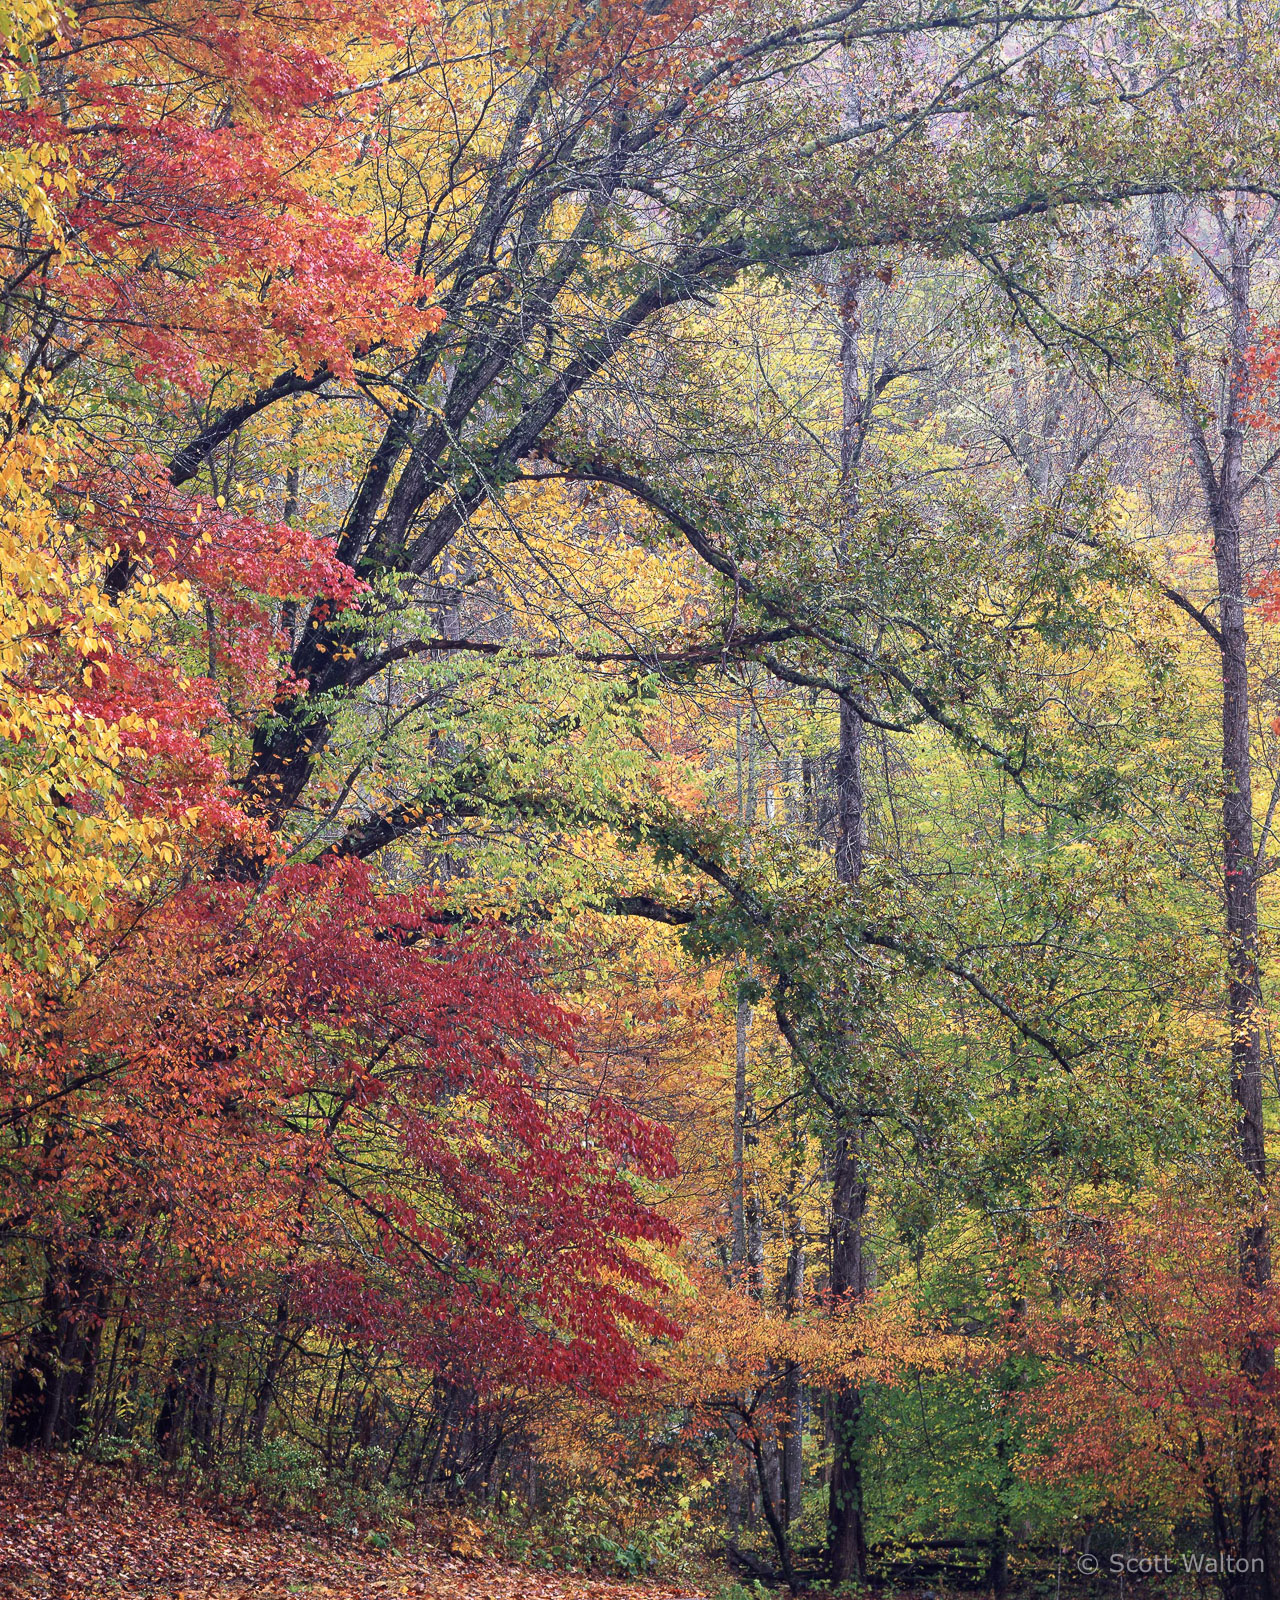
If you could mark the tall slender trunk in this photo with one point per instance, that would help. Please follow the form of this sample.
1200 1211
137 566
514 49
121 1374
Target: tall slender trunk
846 1532
791 1429
748 1241
738 1200
846 1535
1239 874
1225 485
1240 881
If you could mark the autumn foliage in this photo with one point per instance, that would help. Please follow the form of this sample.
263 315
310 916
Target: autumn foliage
246 1065
291 1093
635 895
1151 1394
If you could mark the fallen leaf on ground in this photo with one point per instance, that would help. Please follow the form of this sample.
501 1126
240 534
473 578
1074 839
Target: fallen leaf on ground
69 1531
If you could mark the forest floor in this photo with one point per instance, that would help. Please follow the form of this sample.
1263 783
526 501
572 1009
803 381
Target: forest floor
70 1532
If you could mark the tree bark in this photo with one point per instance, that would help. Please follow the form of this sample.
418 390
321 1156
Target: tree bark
846 1535
52 1388
266 1390
738 1200
1239 875
748 1238
846 1532
791 1442
1225 485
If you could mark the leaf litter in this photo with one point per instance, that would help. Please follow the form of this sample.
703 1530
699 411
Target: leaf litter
70 1531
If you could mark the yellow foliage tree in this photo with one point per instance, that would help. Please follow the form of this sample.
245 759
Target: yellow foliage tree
68 836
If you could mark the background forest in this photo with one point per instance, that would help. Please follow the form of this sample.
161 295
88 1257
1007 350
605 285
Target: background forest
639 775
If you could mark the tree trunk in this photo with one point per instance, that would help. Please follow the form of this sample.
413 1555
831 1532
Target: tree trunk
1225 485
271 1375
846 1535
738 1200
52 1388
1239 876
187 1406
748 1241
791 1442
